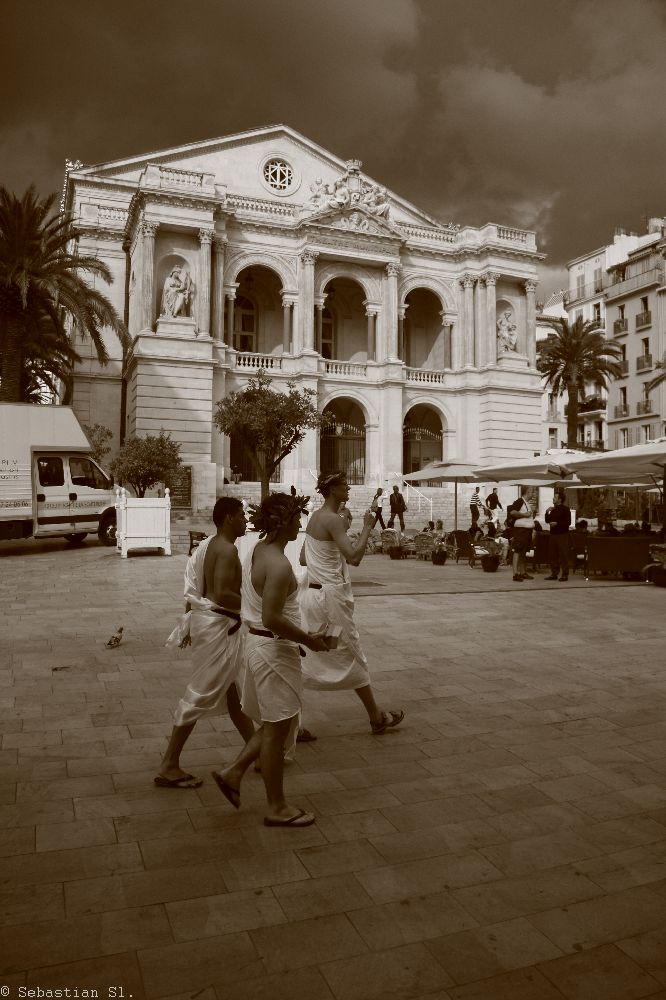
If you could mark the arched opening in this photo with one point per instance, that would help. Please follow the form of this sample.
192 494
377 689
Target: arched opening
424 338
342 443
258 312
342 323
422 438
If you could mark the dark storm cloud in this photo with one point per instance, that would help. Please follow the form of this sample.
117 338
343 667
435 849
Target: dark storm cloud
545 115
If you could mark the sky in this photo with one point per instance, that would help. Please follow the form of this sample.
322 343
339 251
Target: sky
541 114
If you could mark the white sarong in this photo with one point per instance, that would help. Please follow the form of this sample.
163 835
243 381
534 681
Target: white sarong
346 667
272 682
217 656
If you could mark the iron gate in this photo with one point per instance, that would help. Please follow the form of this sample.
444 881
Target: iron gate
342 449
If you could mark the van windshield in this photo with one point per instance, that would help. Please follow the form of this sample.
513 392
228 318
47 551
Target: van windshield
83 472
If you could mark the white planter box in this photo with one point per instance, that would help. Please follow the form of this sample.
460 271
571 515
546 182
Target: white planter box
143 523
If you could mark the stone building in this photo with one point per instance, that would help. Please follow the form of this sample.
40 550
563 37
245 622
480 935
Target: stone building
264 250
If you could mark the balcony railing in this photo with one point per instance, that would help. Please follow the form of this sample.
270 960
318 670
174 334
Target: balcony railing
620 411
423 375
590 445
645 406
644 362
653 276
624 367
643 319
587 291
267 361
345 368
620 326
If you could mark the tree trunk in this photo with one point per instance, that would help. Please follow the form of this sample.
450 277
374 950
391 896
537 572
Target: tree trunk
265 485
10 376
572 416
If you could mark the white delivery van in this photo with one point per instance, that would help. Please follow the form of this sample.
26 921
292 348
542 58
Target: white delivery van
49 485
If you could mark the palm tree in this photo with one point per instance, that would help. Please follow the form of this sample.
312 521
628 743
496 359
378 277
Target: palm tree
661 377
573 354
42 286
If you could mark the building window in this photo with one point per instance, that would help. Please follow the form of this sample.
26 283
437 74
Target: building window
580 285
644 303
552 437
646 431
645 342
579 314
245 325
623 349
597 312
327 336
624 438
621 311
598 280
278 175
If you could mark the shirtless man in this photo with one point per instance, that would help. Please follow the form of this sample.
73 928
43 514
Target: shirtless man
212 591
273 682
328 600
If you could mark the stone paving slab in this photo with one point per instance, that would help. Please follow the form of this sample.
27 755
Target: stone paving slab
507 841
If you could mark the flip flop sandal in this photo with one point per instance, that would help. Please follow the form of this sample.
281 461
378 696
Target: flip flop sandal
232 795
388 722
185 781
300 819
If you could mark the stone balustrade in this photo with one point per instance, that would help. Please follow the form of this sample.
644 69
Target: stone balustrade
269 362
260 206
346 369
424 375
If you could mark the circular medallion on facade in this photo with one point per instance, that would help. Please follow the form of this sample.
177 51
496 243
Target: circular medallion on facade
278 175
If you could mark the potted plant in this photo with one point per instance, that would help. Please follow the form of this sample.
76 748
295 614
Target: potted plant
491 560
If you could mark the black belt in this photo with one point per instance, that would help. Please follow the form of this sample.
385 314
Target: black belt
314 586
271 635
229 614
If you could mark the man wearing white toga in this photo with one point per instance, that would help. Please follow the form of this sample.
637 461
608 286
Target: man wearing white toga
272 685
212 592
328 600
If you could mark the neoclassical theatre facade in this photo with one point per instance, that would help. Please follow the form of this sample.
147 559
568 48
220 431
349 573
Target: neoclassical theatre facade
264 251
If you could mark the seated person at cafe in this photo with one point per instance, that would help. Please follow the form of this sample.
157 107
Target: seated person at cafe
581 525
430 527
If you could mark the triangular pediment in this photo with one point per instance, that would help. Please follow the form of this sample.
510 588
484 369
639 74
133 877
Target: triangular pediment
354 219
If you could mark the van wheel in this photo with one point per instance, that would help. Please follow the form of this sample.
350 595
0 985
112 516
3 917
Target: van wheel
107 530
76 538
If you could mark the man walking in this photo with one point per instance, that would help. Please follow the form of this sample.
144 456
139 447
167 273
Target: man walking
559 518
329 600
493 503
376 507
475 506
272 685
398 508
212 592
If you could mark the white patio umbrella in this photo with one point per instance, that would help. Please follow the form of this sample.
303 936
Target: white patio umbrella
539 470
642 463
447 472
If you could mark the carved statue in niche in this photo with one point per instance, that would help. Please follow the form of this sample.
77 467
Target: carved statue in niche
507 333
177 293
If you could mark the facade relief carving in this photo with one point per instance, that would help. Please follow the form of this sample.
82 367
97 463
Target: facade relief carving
507 333
177 293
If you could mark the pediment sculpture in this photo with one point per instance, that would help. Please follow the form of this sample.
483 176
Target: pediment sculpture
507 333
177 293
349 191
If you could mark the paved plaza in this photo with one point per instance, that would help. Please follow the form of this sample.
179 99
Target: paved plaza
508 842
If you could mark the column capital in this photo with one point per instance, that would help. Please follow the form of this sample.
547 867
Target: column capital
219 242
149 229
448 319
319 302
467 280
371 308
230 291
288 299
393 270
309 257
206 236
491 278
531 286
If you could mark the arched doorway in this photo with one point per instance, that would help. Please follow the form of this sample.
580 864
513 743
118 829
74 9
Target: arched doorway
257 313
341 324
422 438
424 341
342 443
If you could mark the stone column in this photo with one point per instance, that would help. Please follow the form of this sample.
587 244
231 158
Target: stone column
401 334
219 244
391 311
371 315
148 231
203 320
307 258
492 277
480 323
319 325
230 294
447 345
530 322
467 283
286 325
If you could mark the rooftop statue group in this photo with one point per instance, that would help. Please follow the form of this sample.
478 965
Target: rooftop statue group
340 194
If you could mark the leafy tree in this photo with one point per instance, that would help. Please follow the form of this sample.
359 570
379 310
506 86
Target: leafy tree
99 436
268 423
573 354
144 461
42 289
